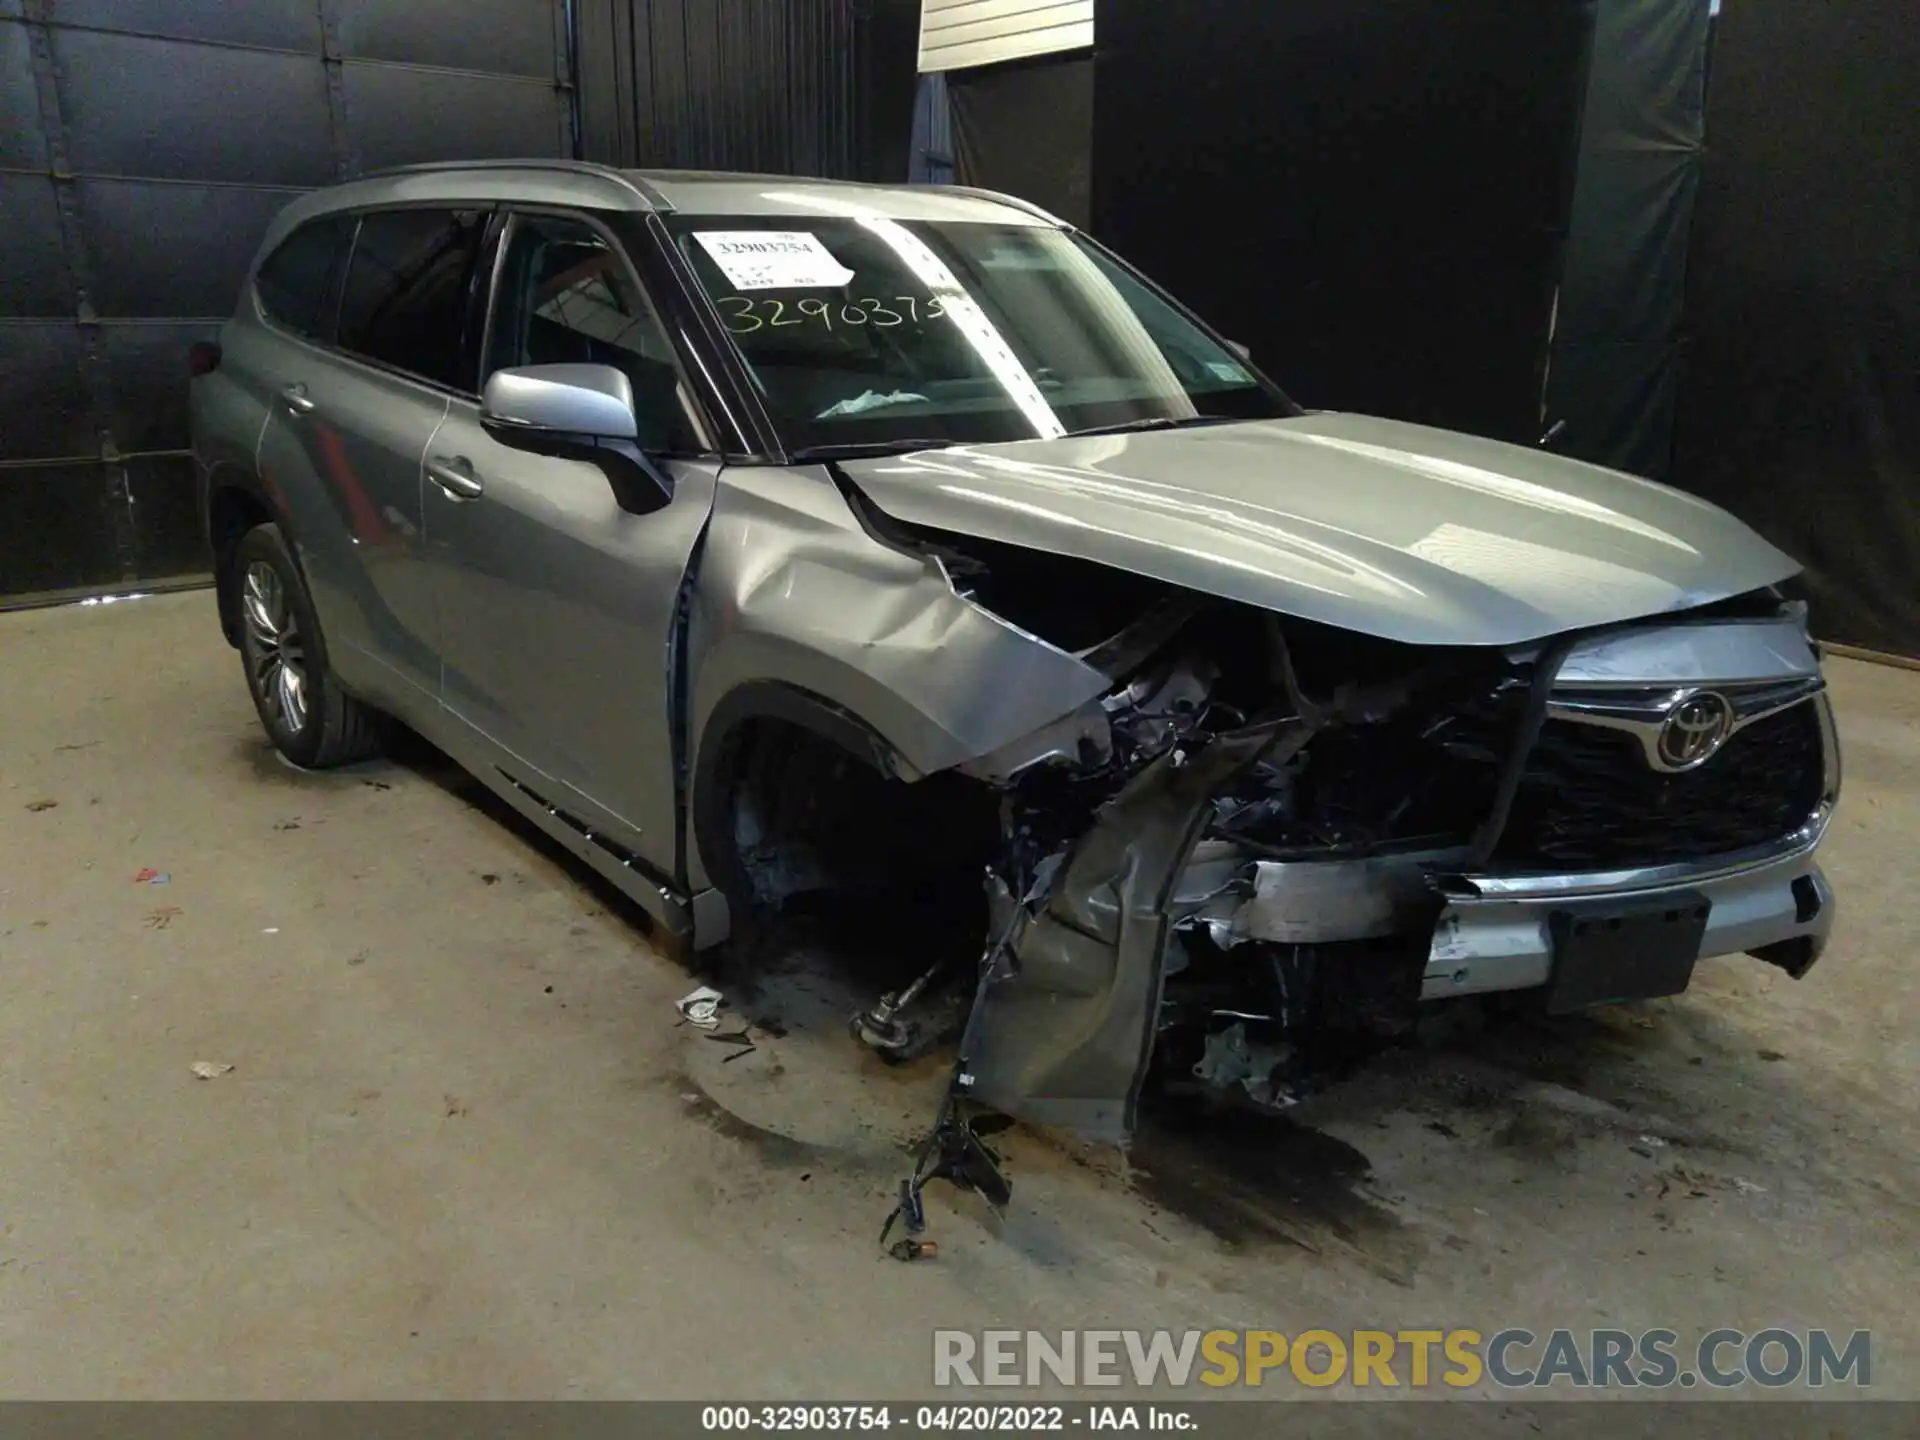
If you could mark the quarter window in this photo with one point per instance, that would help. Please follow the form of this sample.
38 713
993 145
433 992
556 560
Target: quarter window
294 282
405 299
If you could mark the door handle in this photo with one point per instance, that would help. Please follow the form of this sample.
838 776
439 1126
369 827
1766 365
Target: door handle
454 475
296 399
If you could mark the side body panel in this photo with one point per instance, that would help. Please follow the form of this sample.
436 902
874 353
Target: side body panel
228 407
792 590
347 474
227 413
557 622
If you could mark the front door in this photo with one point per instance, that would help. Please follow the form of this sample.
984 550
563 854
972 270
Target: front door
556 607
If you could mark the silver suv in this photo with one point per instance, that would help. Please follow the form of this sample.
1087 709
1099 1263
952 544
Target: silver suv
772 543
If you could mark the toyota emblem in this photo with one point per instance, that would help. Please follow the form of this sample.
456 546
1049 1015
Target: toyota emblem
1696 726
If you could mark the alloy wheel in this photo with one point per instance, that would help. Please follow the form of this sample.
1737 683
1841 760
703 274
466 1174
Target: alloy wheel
276 654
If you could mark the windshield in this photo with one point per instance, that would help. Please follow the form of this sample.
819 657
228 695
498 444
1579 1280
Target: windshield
868 331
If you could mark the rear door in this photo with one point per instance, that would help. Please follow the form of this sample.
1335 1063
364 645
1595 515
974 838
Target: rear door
557 608
354 420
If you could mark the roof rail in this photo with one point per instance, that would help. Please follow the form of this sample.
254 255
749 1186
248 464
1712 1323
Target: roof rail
1004 199
533 162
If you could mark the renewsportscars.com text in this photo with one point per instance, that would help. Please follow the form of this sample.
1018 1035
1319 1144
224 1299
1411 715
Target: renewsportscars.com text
1512 1358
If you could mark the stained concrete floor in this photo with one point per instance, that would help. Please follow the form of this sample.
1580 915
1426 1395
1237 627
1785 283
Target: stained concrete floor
464 1150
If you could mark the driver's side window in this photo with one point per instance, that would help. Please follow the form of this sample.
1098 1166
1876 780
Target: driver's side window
565 297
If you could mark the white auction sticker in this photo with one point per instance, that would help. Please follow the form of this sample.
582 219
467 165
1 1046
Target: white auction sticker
773 259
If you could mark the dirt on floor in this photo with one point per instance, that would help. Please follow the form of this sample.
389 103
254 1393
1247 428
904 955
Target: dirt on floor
455 1141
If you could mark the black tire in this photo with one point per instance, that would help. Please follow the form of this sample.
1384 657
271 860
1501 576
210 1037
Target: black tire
305 712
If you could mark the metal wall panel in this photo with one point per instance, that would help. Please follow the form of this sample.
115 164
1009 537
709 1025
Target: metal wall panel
162 510
60 531
33 277
174 110
145 382
495 39
272 24
795 87
960 33
47 402
20 143
144 146
160 249
403 116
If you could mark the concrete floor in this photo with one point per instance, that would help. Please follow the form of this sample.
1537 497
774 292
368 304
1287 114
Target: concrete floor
465 1151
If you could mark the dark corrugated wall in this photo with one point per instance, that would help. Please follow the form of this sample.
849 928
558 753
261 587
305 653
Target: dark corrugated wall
792 87
144 146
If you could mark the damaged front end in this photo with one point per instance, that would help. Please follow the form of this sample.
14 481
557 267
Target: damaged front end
1209 875
1224 880
1226 848
1214 877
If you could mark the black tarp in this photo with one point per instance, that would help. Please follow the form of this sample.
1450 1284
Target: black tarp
1617 332
1800 395
144 147
785 87
1027 129
1372 194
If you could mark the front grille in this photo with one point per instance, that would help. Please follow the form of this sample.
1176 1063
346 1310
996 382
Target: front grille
1589 800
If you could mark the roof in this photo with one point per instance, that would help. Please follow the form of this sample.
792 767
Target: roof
689 192
714 192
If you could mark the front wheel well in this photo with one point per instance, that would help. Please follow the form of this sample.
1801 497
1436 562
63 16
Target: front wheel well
796 813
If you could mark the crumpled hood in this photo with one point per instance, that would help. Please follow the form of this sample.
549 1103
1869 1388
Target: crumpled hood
1395 530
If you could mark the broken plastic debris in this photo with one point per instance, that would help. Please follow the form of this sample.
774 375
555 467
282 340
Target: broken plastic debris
271 930
702 1007
144 876
209 1070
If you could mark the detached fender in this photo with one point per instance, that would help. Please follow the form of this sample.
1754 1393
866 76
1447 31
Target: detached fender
796 596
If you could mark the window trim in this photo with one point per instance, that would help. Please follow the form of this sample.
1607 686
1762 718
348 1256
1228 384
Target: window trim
349 228
512 214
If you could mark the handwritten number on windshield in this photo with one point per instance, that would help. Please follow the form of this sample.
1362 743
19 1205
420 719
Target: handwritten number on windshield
745 314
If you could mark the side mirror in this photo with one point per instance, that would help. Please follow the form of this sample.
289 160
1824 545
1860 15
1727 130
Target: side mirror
577 412
1243 351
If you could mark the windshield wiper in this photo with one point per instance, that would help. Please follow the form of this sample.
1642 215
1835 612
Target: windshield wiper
860 449
1153 422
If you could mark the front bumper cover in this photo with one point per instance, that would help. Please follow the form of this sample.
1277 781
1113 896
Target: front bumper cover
1494 932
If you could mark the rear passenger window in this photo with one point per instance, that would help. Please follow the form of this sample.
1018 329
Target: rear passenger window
405 299
295 280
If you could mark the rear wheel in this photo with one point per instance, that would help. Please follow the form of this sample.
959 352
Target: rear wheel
308 716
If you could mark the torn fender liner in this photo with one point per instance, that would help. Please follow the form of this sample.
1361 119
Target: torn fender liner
1064 1025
